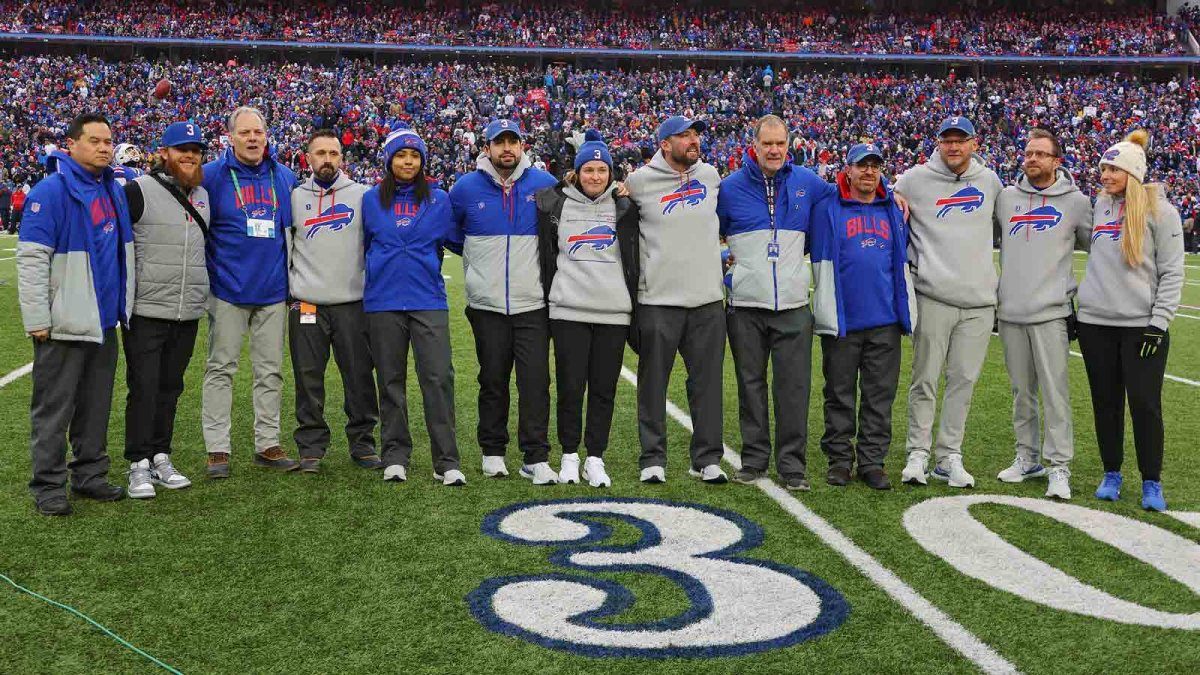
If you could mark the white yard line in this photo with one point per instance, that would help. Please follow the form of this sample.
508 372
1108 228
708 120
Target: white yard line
11 257
16 375
950 631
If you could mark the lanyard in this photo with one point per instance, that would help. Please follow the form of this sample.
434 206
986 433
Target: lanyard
769 183
237 194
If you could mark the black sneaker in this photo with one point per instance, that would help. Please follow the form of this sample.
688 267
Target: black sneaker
838 476
876 479
104 492
371 462
54 506
310 465
797 484
275 458
747 476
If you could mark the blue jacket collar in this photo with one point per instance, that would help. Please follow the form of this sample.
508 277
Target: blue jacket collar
77 178
750 162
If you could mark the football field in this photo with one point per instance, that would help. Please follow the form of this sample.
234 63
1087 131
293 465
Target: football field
342 572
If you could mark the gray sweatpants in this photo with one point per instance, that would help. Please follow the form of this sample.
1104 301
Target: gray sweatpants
784 338
1036 355
953 340
72 397
227 325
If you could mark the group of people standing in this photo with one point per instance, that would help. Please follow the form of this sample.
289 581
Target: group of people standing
590 264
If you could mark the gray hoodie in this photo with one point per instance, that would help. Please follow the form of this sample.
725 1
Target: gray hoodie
950 235
325 243
1115 294
680 238
589 286
1039 230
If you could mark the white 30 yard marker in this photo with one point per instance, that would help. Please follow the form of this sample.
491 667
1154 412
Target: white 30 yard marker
950 631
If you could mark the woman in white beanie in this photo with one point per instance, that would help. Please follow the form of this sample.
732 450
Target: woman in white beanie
1128 297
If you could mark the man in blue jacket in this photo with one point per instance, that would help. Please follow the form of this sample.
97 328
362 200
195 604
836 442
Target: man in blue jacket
496 219
862 304
764 211
247 270
75 275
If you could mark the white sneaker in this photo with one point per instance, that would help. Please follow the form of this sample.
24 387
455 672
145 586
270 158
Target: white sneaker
540 473
453 478
395 472
493 466
654 474
568 471
950 469
1021 470
141 484
1059 484
164 473
594 473
711 474
914 472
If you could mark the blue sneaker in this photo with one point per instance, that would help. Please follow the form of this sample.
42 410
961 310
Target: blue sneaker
1110 487
1152 497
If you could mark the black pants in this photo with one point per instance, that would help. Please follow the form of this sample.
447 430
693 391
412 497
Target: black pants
783 338
698 333
72 396
500 341
587 356
429 334
863 370
157 353
1115 371
344 328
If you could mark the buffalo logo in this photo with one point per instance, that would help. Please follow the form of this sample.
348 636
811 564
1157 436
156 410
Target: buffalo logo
199 204
1111 229
404 222
868 243
109 227
968 199
597 238
1042 218
1111 155
691 194
333 218
258 213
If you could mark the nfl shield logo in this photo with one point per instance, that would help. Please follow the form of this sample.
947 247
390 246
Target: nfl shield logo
35 207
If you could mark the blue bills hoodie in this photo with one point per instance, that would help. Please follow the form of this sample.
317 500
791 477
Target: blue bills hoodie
496 223
859 257
246 270
749 229
403 249
75 257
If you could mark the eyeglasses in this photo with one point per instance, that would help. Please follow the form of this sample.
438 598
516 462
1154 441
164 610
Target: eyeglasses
869 166
954 142
1039 154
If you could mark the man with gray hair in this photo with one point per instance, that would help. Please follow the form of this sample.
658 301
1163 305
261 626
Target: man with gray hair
250 202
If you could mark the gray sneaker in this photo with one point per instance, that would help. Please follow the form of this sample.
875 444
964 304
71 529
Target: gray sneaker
164 473
747 476
141 483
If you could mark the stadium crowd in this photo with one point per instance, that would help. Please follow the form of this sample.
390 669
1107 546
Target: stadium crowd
451 102
1071 29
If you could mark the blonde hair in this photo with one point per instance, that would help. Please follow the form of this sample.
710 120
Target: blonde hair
1140 199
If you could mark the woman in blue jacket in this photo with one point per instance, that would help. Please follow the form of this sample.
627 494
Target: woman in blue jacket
406 222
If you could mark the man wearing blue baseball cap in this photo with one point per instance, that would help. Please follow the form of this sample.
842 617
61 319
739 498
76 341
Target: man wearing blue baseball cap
170 214
952 199
496 218
680 297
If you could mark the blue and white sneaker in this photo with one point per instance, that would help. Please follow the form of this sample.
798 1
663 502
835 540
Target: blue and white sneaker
1110 487
1021 470
1152 496
951 470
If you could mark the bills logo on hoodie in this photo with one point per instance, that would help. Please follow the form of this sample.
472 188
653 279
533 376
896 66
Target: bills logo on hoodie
1042 218
597 238
333 219
1111 229
691 194
103 214
968 199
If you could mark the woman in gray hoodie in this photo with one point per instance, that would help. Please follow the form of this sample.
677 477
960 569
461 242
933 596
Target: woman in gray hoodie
588 245
1127 300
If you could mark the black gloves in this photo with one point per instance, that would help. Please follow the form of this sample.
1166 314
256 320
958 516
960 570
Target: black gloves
1152 337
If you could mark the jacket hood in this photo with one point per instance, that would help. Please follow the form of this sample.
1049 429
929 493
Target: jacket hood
484 164
576 195
341 182
938 165
77 176
1064 183
658 164
843 184
750 163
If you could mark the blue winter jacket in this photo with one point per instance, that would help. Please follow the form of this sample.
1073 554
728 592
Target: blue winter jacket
845 234
63 285
246 270
746 224
497 234
404 251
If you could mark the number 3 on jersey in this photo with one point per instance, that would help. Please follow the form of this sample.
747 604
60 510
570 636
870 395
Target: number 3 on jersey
737 605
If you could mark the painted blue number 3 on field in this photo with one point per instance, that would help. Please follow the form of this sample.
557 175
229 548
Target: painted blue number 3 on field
737 605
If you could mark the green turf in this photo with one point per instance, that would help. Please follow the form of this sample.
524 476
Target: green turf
341 572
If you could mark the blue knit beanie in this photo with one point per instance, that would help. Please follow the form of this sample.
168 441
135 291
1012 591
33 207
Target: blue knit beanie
592 148
402 136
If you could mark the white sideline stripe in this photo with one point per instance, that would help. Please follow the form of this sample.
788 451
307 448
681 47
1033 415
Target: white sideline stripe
1187 316
1173 378
950 631
12 257
16 375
